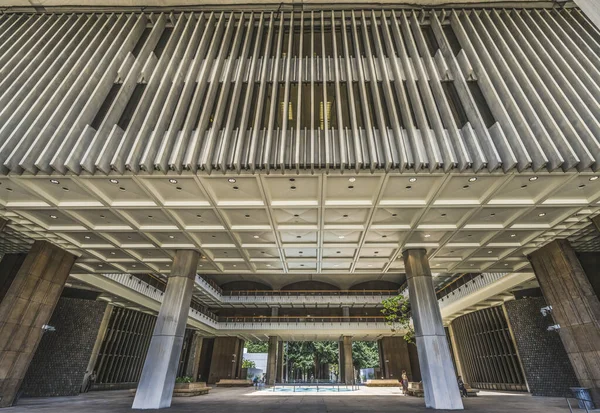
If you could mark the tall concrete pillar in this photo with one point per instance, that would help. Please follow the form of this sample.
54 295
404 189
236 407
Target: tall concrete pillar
193 361
155 388
26 308
437 371
274 311
348 364
591 10
272 360
279 377
575 307
99 339
341 369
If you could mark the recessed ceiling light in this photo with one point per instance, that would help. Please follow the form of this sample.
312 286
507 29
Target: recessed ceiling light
302 265
542 214
171 236
533 178
408 187
437 265
465 187
490 251
394 215
87 237
173 181
150 217
298 236
473 179
581 186
53 216
523 186
352 179
9 189
506 265
292 179
370 265
268 265
384 236
443 215
247 216
167 265
594 178
336 265
234 265
235 188
134 265
345 215
65 188
376 252
351 187
300 252
427 235
121 189
199 216
513 235
492 214
256 236
293 188
296 215
54 181
341 237
200 265
412 180
231 180
113 181
99 265
113 253
338 252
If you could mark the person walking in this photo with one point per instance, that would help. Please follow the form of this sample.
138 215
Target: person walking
461 387
404 382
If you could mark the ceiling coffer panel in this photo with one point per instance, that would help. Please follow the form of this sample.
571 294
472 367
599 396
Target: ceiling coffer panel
287 91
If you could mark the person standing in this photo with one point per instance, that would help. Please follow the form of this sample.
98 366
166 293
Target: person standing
404 382
461 387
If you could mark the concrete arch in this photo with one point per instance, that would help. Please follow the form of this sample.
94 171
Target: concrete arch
310 285
375 285
245 286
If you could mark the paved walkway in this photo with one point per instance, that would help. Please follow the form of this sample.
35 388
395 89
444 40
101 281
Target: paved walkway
367 400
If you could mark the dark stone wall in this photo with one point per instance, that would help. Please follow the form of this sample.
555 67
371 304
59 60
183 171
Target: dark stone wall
590 261
59 363
543 356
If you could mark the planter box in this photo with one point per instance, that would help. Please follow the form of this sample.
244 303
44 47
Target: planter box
234 383
383 383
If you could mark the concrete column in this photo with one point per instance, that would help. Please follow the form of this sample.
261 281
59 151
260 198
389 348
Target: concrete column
437 371
341 369
348 364
591 10
99 338
272 360
155 388
279 377
26 308
9 267
274 311
193 361
575 307
394 355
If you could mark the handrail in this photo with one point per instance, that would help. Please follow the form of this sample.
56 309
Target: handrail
297 319
304 292
585 405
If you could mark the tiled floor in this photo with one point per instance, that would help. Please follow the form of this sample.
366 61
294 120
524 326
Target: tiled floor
369 400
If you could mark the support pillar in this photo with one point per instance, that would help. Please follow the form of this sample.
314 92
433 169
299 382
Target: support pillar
274 311
341 369
279 378
99 339
193 362
439 382
348 364
575 307
591 10
155 388
26 308
272 360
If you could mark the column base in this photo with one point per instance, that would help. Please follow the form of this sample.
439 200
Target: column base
439 382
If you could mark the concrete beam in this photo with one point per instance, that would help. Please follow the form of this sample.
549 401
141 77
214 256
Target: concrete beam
591 8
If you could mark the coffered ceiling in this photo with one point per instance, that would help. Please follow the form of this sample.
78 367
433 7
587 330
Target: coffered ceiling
253 225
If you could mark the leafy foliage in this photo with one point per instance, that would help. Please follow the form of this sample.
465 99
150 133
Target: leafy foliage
365 354
248 364
257 347
184 379
397 315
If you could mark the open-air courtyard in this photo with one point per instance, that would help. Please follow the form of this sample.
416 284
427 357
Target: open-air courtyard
251 401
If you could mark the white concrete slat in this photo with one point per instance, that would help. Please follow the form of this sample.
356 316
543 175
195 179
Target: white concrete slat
190 160
205 160
12 44
94 95
102 146
572 104
577 33
285 139
173 101
538 95
53 115
22 135
423 134
9 23
151 131
492 95
151 98
34 80
12 78
453 149
203 80
523 94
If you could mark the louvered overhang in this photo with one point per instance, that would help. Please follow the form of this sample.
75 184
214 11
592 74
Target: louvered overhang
465 90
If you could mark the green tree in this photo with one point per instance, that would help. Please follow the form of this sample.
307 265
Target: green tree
365 354
397 315
257 347
248 364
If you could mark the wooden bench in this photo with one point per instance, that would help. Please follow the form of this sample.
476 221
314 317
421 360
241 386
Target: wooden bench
415 389
234 383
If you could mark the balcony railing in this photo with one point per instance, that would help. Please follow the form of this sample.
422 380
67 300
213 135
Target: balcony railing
303 319
300 293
